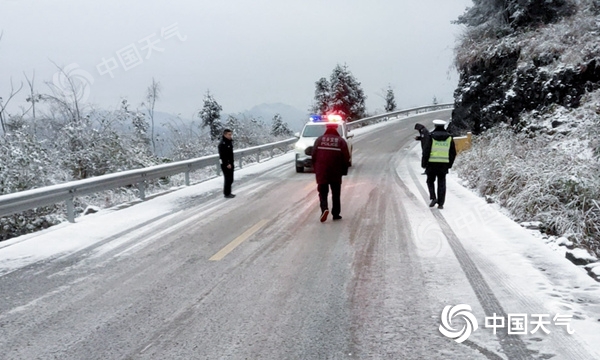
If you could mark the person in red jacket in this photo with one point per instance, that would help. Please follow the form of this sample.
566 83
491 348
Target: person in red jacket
331 159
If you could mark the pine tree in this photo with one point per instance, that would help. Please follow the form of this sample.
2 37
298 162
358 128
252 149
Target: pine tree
210 115
233 124
279 127
346 96
500 15
342 95
322 97
390 102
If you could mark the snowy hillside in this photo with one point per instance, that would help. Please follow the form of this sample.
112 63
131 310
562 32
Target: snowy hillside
529 85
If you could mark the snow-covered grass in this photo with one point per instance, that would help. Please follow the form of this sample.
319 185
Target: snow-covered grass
548 172
110 198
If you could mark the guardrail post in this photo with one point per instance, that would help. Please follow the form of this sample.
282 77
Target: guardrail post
240 162
70 210
272 152
258 156
142 189
187 178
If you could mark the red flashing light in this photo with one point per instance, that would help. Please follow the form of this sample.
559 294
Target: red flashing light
334 118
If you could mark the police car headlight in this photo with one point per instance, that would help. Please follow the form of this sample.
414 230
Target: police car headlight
299 148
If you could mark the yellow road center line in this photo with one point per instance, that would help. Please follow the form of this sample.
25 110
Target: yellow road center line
310 186
237 241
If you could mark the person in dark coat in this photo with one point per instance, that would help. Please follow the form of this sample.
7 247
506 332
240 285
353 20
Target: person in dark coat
423 137
226 157
423 134
438 156
331 159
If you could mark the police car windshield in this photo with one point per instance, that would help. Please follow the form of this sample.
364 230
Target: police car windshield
317 130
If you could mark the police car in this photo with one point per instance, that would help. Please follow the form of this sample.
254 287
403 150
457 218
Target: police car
314 128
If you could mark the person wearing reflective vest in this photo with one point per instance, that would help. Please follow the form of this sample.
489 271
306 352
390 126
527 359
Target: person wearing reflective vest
439 153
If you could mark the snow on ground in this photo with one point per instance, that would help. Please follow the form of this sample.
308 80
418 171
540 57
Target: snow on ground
67 238
526 274
527 264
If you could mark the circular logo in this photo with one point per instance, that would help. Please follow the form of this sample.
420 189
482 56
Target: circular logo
464 311
73 82
430 240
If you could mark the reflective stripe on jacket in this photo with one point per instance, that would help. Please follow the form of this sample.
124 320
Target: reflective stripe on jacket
440 151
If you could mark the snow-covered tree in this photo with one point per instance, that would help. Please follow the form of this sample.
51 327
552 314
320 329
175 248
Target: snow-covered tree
152 96
322 97
233 124
210 115
4 103
279 127
499 17
342 95
390 102
23 162
346 96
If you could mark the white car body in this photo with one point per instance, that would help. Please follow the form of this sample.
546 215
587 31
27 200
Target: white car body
311 131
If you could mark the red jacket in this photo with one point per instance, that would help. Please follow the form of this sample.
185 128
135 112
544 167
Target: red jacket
330 157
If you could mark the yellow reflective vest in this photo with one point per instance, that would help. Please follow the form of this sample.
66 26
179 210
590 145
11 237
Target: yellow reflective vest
440 151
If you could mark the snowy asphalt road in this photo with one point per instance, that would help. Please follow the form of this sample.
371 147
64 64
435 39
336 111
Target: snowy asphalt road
258 277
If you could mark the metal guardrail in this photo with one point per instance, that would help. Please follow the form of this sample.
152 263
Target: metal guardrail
383 117
30 199
49 195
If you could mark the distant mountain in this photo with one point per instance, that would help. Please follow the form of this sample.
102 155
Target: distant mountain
294 117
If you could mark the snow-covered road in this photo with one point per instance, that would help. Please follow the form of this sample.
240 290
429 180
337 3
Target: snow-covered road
190 275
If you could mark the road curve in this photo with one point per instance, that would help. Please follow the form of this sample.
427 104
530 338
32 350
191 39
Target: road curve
259 277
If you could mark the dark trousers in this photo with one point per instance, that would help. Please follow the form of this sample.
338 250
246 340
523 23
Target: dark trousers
441 186
336 189
228 175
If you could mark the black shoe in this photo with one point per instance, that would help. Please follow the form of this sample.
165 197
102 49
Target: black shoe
230 196
432 203
440 206
337 218
324 215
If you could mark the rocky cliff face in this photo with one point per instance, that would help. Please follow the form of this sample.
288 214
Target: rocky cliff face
530 69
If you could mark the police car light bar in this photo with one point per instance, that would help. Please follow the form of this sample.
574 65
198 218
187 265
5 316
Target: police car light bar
326 118
334 118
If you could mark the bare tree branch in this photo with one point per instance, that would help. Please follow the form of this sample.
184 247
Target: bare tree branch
152 95
4 104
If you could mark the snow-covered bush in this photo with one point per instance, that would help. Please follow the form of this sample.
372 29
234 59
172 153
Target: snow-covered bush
25 163
548 172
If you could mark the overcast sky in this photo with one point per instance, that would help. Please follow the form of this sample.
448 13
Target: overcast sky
245 52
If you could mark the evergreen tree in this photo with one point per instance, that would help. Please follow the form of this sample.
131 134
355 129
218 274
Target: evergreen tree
210 115
322 97
390 102
279 127
502 15
346 96
342 95
233 124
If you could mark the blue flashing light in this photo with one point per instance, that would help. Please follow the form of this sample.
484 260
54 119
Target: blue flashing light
326 118
316 118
